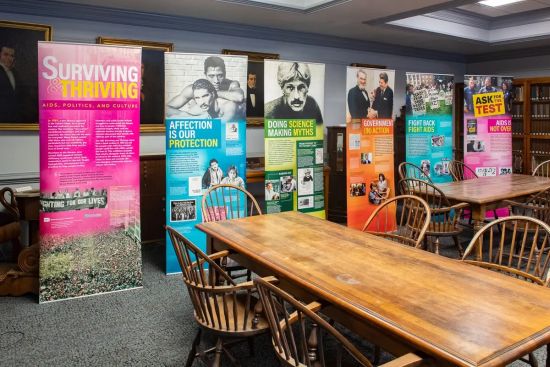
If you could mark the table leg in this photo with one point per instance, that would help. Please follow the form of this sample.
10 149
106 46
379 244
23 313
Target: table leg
478 216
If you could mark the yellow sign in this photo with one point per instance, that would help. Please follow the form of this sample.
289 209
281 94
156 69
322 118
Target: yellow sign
488 104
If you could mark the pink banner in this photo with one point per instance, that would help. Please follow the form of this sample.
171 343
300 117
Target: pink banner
488 127
89 169
488 124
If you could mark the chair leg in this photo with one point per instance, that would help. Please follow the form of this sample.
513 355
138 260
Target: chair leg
533 360
231 358
458 246
218 353
251 346
193 352
377 353
437 246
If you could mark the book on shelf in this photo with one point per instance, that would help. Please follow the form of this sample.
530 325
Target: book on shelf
540 92
517 111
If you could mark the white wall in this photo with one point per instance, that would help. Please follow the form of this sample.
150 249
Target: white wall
527 67
23 147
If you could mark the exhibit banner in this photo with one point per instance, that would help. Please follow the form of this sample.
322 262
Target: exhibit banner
488 124
89 169
205 138
369 151
429 123
294 131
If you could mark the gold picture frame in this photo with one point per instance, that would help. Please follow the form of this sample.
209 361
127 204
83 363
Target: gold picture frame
367 66
19 105
152 88
255 65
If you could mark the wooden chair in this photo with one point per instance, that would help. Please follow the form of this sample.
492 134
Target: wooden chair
226 309
543 169
410 214
300 335
224 201
536 206
521 250
444 216
410 170
461 171
10 227
21 275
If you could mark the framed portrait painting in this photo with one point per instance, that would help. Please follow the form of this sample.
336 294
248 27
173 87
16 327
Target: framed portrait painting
19 73
152 80
255 84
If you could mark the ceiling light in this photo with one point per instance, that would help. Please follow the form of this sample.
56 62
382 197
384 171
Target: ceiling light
495 3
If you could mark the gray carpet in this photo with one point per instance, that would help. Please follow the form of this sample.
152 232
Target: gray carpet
152 326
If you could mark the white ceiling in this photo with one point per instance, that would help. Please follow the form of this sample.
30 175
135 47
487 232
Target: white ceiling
344 19
514 8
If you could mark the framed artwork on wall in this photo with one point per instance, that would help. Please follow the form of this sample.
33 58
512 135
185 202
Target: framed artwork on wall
368 66
255 84
152 80
19 73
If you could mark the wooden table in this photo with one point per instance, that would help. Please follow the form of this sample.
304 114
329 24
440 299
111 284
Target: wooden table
402 298
486 193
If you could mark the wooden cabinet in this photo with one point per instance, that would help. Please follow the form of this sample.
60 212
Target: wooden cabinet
153 199
336 149
530 123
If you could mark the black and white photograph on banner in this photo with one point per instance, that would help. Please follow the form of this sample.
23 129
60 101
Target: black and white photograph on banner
305 181
369 93
358 189
305 202
183 210
206 87
366 158
272 190
294 90
288 184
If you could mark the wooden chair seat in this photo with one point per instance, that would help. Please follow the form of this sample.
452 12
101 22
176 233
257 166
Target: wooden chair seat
442 229
234 321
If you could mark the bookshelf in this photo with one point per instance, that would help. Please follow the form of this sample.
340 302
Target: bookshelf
530 123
